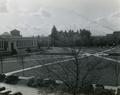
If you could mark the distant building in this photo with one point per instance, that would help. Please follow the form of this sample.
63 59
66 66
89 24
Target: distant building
116 34
13 40
109 35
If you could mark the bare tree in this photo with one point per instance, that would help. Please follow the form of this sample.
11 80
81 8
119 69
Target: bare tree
117 72
74 74
116 67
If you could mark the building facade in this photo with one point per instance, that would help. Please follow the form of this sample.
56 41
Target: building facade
13 40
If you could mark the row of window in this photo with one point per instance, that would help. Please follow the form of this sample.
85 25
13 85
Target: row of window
24 43
3 44
19 43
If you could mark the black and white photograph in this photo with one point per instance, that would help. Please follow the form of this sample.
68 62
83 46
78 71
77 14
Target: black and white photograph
59 47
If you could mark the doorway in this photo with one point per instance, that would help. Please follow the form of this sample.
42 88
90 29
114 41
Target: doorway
12 46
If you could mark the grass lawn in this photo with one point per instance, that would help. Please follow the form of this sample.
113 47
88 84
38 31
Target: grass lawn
12 65
94 49
103 74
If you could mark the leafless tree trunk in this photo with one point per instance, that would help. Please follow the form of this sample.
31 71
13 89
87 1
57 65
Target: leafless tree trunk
1 61
117 73
21 59
75 83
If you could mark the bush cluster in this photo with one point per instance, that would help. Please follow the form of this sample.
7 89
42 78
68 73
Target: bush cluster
12 79
42 83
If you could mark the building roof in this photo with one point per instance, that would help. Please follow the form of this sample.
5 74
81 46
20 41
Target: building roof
8 36
15 30
116 32
5 34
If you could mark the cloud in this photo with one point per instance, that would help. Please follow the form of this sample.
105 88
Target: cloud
116 14
43 13
46 13
3 6
23 6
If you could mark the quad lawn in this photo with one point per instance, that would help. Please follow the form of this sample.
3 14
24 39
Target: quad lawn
34 60
115 50
94 49
104 73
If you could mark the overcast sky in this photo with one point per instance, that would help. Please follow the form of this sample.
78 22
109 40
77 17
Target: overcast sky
36 17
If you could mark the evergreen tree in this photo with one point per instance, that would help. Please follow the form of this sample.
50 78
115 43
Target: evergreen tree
54 36
85 37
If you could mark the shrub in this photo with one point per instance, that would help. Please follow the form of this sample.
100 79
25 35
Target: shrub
14 52
87 89
105 92
28 50
2 88
41 83
18 93
31 83
49 82
2 77
12 79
